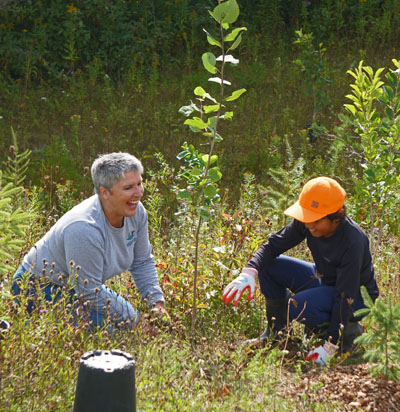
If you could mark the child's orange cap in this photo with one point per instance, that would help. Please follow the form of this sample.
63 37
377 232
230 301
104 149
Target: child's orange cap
319 197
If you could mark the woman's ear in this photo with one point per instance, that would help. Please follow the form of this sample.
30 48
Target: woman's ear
103 192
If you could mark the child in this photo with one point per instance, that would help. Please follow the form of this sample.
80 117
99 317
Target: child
326 292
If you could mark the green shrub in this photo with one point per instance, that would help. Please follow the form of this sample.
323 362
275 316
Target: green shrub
381 340
374 112
13 221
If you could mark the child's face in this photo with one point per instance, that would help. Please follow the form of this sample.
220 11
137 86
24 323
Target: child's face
323 227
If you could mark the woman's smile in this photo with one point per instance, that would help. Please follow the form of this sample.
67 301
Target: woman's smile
123 198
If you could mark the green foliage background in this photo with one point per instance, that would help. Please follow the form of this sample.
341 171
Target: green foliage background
43 38
82 77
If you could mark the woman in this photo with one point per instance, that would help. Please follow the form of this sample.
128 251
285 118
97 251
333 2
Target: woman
324 293
96 240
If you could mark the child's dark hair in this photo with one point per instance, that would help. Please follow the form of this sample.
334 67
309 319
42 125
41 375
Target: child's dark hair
338 215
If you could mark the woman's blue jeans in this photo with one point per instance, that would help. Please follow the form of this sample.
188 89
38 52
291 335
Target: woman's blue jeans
313 301
52 293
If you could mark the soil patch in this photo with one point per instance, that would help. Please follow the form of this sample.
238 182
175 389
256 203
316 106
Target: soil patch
351 385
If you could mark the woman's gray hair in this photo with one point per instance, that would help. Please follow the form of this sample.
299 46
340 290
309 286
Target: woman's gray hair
109 168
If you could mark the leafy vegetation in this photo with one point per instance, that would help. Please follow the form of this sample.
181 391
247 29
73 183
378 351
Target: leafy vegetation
382 339
12 223
375 110
113 78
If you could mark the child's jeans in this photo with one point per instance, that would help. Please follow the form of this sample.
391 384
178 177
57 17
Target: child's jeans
314 300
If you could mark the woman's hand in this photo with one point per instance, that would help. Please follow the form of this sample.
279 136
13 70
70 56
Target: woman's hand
159 315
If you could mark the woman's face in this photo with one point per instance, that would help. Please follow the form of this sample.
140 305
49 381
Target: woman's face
323 227
122 201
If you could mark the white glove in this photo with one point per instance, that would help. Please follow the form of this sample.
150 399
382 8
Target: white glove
238 286
322 354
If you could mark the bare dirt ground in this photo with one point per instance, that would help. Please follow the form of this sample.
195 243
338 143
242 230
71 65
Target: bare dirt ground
350 385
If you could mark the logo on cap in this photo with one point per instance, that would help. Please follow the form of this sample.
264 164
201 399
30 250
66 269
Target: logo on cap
314 204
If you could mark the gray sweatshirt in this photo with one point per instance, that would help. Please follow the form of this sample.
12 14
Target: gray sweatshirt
84 248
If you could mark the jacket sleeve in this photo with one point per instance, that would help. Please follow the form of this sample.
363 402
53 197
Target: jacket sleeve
347 288
278 243
143 268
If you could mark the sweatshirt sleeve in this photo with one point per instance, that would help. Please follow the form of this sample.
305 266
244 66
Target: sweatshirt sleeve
143 268
278 243
347 287
84 253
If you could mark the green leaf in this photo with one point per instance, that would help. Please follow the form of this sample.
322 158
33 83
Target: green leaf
209 61
384 99
235 45
227 116
199 91
392 79
203 182
210 191
183 194
226 12
214 174
389 91
211 122
211 40
389 112
355 99
196 172
350 108
211 108
213 159
235 95
196 122
233 34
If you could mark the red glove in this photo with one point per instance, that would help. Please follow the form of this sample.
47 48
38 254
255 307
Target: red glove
238 286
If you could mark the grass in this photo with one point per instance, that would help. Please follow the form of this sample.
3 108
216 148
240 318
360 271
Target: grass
69 123
41 362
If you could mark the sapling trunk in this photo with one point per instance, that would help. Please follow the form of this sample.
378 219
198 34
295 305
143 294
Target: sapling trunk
202 201
201 177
